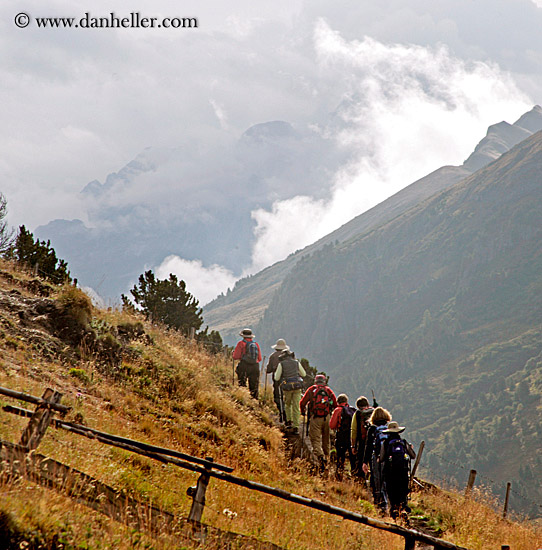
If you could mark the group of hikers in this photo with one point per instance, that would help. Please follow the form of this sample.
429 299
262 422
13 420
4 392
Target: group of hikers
364 434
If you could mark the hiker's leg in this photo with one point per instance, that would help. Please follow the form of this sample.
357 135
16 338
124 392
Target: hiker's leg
325 436
288 406
295 412
277 398
315 435
254 380
241 374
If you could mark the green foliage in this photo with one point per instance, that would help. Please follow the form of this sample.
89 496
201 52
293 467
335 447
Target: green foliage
81 374
212 341
39 255
6 233
166 301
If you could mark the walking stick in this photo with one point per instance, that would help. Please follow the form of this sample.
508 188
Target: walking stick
303 438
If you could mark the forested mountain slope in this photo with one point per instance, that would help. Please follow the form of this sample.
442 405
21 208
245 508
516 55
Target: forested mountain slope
246 303
439 311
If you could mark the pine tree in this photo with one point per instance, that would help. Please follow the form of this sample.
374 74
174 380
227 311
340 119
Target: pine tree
40 256
166 301
6 233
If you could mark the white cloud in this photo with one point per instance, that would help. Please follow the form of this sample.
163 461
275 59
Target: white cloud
408 110
205 283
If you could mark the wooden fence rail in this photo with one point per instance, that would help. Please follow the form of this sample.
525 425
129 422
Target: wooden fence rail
206 467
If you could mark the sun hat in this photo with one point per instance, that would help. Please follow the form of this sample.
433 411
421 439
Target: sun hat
281 345
247 333
394 428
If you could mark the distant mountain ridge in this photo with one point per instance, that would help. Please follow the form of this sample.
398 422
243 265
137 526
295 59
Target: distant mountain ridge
245 304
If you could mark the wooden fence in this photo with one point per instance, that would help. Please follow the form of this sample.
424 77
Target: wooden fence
58 475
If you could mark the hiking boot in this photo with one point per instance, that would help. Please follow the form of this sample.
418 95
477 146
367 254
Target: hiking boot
322 465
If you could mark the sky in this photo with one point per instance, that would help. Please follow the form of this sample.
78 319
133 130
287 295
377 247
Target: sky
398 88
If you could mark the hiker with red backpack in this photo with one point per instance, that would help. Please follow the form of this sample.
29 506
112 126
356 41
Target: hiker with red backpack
247 352
358 434
341 423
320 401
395 456
371 457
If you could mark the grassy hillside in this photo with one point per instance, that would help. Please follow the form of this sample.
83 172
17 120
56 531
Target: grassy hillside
440 312
124 376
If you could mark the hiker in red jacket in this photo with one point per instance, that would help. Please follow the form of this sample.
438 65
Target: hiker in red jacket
341 423
320 401
248 353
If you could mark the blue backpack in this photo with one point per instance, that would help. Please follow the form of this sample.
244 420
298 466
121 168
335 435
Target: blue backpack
397 459
251 353
378 441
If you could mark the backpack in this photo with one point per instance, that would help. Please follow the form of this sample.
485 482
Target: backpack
251 353
345 423
397 459
378 441
363 429
321 402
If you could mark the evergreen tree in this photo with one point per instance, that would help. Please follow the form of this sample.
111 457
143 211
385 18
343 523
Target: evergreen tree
6 233
166 301
39 255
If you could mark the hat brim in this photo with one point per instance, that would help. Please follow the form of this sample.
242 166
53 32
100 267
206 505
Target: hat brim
247 335
285 348
399 430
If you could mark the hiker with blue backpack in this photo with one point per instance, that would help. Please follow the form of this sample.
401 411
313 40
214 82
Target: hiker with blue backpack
247 352
319 400
341 423
395 457
371 458
289 375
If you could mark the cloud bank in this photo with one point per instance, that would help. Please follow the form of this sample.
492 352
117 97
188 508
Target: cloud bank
406 111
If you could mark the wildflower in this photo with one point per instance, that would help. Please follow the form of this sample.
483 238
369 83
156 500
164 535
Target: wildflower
229 513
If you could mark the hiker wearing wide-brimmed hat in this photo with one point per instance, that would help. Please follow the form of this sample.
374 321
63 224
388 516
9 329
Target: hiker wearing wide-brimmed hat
395 456
247 352
272 365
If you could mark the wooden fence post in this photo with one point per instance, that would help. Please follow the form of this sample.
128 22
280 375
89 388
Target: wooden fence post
505 509
40 420
470 483
198 494
418 458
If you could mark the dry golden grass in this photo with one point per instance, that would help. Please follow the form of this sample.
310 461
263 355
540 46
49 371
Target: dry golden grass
169 392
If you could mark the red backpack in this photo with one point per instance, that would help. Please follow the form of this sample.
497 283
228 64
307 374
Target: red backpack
322 402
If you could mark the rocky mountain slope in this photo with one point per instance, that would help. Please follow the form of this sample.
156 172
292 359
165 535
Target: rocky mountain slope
246 303
439 310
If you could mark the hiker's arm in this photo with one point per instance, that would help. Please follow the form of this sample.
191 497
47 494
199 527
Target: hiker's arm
238 351
354 433
302 371
278 373
334 421
410 450
259 352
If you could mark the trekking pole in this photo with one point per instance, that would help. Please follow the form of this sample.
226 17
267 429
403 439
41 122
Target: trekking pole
302 438
233 371
375 404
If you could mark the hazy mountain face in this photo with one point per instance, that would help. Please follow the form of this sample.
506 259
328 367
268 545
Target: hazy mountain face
174 201
440 312
246 303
